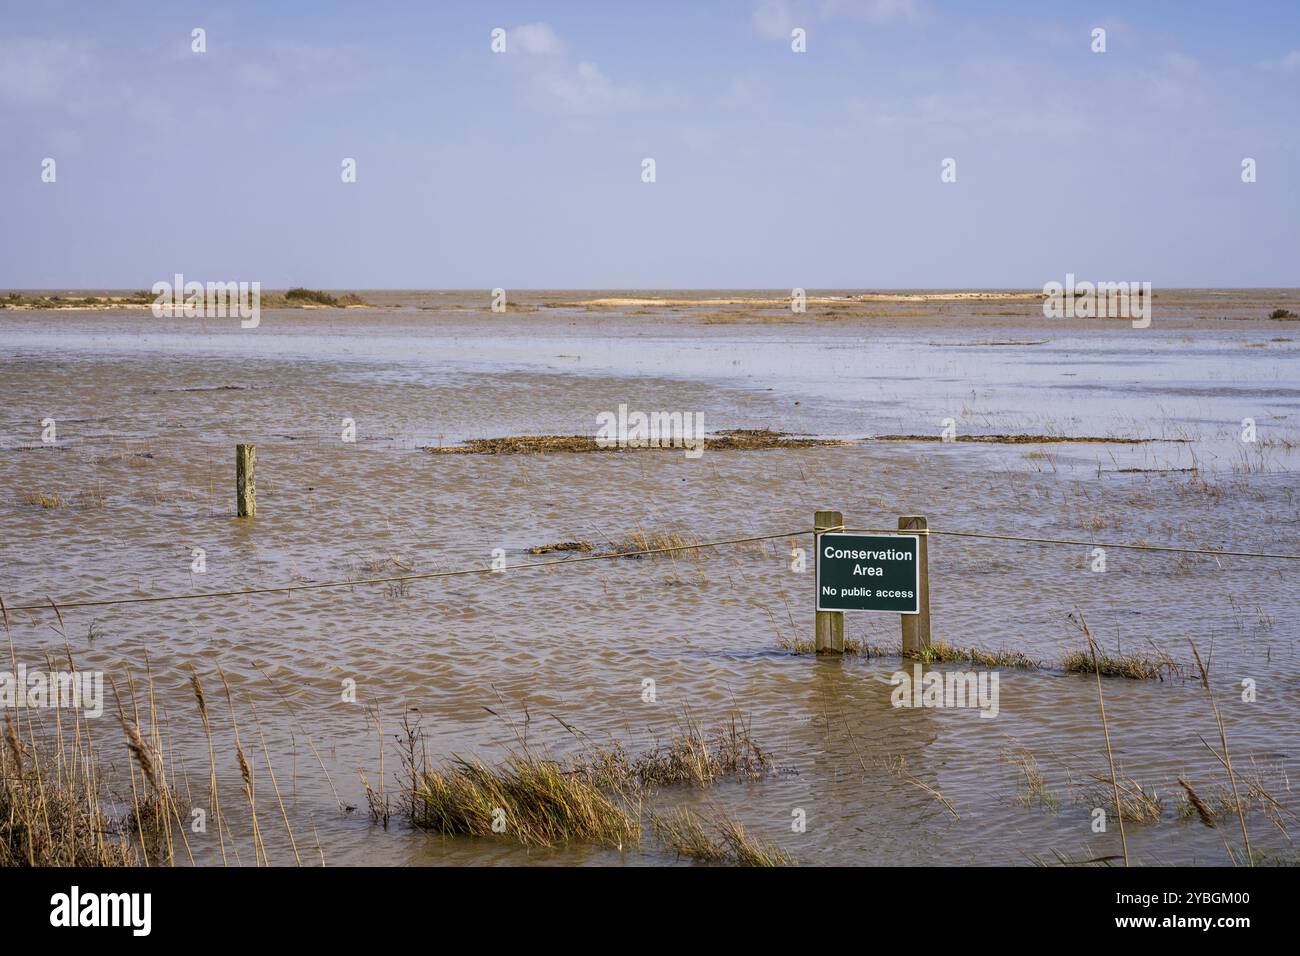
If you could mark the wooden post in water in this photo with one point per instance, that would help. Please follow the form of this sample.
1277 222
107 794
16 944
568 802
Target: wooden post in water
916 627
246 480
830 624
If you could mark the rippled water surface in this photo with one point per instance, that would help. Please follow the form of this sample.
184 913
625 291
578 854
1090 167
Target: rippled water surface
148 411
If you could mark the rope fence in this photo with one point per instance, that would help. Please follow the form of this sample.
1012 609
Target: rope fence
50 604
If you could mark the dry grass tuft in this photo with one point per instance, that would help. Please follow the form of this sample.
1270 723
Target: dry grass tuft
1134 667
1138 806
42 500
52 807
732 439
579 546
941 652
716 839
667 543
1192 803
527 800
690 757
1036 790
851 646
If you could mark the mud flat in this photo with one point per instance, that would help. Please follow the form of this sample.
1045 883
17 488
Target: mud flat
141 475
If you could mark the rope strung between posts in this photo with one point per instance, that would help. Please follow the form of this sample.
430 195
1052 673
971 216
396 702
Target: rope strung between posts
429 575
1088 544
285 589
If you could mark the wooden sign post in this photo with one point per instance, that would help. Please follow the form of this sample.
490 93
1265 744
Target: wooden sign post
829 638
916 627
878 571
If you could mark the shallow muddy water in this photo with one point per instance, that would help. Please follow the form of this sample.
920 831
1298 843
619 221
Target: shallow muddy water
147 411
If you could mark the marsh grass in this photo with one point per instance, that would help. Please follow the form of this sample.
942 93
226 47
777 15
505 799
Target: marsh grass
58 807
1209 808
301 296
596 797
667 544
582 547
53 804
851 646
1131 666
691 756
42 499
1035 789
731 439
715 838
1135 803
527 800
941 652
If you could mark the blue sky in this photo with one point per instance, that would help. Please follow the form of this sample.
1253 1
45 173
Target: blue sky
774 169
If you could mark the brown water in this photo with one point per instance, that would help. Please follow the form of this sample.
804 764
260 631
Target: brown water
148 410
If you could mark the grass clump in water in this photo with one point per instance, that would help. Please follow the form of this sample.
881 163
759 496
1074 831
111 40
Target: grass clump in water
580 546
941 652
1134 667
851 646
1137 804
42 500
527 800
717 839
1036 790
690 757
665 543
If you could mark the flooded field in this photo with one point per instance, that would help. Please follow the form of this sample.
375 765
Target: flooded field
140 475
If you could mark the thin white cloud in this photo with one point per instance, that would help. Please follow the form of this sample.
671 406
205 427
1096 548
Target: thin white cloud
774 19
556 84
1288 63
534 39
257 76
37 72
876 11
584 90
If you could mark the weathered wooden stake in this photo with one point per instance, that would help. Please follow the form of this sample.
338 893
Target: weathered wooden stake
916 627
246 480
830 624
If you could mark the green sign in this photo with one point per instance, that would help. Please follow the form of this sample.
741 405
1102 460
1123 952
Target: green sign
868 572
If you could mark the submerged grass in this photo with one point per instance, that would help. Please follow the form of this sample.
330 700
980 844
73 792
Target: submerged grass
1132 666
941 652
715 839
851 646
668 543
595 798
690 757
1133 801
527 800
1035 790
733 439
41 499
